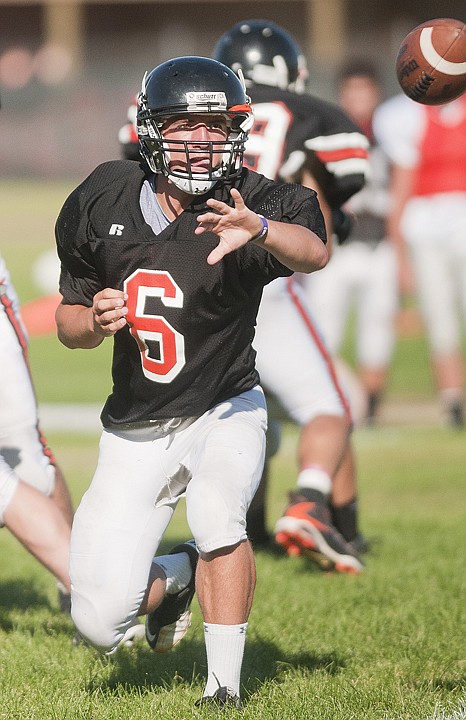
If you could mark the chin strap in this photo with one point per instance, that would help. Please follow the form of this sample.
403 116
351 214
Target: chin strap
191 186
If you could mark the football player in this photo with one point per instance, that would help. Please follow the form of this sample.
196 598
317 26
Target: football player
426 147
35 504
312 138
363 271
170 257
299 137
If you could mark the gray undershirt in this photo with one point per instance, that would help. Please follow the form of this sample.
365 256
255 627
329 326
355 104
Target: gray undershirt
150 208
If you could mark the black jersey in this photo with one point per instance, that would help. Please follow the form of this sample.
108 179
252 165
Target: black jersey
292 131
188 342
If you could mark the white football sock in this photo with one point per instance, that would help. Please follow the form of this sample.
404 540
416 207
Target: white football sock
225 649
315 478
452 395
177 569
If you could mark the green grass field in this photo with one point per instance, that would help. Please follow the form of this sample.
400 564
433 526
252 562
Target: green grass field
385 645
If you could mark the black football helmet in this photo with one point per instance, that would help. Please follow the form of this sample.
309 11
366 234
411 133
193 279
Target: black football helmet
188 85
265 52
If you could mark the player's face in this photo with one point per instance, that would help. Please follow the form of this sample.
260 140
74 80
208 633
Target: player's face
359 96
194 134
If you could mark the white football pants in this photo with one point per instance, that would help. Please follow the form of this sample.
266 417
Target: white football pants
216 461
292 359
22 445
362 276
435 229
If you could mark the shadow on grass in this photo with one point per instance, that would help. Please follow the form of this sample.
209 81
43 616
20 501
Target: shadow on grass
142 669
449 684
264 661
25 610
19 595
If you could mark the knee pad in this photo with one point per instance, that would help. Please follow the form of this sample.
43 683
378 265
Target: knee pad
225 473
216 513
100 624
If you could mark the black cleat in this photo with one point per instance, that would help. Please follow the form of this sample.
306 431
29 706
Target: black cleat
169 623
64 601
223 697
455 415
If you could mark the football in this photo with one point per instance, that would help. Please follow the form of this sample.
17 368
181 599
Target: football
431 62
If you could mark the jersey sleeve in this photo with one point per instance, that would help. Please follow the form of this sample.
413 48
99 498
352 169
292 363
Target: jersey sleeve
344 161
287 203
79 280
337 152
293 203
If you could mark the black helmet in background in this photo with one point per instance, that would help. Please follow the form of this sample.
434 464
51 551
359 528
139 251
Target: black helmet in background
266 54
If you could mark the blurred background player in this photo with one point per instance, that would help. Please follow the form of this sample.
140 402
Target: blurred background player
362 272
35 504
323 410
301 138
427 149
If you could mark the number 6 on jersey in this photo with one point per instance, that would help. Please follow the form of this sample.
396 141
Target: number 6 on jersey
154 331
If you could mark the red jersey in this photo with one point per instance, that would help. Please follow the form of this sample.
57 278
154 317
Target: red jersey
442 151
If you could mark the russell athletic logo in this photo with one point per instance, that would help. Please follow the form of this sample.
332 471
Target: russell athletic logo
116 229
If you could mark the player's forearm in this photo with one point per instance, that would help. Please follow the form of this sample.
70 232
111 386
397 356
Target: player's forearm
75 327
295 246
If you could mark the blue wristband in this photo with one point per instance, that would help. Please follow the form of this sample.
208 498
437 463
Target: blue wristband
264 230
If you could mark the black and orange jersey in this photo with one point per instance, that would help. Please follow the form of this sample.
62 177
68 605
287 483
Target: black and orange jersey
188 342
293 131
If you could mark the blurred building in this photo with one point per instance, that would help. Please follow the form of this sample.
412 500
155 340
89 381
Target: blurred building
68 69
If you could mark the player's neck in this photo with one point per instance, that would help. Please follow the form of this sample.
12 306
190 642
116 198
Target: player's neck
171 199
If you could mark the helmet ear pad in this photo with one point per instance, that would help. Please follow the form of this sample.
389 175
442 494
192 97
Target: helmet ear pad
193 85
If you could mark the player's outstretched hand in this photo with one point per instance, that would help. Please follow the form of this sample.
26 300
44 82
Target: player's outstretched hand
235 226
108 311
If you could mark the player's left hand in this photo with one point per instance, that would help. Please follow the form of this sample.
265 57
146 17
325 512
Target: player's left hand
235 226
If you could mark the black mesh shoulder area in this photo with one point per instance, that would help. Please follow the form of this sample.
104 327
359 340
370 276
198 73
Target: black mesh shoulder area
111 178
284 202
288 202
75 229
113 172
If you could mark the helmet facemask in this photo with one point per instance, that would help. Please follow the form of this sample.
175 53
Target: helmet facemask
225 155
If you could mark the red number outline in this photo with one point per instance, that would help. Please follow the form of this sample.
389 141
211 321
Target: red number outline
145 327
